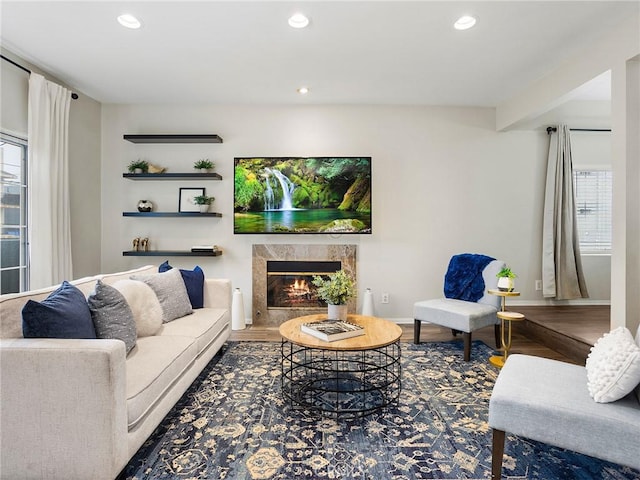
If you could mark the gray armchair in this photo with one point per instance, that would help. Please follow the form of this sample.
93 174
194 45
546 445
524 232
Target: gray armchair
467 306
548 401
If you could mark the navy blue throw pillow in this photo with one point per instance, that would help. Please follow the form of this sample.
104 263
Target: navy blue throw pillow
63 314
193 280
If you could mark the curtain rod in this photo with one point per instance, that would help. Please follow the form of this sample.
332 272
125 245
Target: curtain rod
73 95
554 129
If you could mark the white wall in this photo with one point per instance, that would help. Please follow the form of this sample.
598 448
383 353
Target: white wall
14 84
444 182
618 52
84 158
440 179
625 262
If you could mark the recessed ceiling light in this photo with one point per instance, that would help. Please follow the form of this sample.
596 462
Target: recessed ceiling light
464 22
303 90
129 21
298 20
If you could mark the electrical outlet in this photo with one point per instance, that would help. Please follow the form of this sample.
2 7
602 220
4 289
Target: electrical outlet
385 298
538 284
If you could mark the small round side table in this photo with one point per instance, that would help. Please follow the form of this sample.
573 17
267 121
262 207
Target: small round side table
505 318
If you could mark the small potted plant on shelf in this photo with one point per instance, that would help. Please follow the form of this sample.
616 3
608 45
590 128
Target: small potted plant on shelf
138 166
505 279
204 202
204 165
336 290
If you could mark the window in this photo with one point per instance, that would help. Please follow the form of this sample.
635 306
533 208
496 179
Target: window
593 193
13 215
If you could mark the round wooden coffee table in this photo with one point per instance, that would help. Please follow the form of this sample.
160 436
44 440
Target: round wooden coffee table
351 377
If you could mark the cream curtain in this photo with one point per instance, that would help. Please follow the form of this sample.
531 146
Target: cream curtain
562 276
48 183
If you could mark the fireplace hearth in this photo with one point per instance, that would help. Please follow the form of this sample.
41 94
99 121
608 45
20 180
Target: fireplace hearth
282 279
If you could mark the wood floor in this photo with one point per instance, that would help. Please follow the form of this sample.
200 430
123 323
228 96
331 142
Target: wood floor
561 333
571 330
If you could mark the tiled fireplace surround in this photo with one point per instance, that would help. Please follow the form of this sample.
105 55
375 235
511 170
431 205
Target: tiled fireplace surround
265 317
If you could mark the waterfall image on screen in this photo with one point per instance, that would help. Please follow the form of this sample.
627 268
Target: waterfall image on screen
302 195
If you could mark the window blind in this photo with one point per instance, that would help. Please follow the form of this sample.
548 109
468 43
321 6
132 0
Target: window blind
593 198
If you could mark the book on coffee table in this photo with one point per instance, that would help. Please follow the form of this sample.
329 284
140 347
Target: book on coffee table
332 330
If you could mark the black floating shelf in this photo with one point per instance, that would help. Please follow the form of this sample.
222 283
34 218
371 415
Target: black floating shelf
172 176
171 214
170 253
163 138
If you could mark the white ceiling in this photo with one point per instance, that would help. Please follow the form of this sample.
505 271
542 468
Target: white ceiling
360 52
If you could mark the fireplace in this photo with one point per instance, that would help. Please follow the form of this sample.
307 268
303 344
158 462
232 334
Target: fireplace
276 267
290 283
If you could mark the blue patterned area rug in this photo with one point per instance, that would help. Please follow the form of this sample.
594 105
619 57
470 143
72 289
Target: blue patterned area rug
233 423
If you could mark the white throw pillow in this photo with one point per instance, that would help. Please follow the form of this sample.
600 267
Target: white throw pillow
144 305
613 366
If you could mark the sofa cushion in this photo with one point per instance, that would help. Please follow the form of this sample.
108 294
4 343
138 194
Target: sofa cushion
111 315
146 309
457 314
193 281
152 367
613 366
63 314
171 292
204 325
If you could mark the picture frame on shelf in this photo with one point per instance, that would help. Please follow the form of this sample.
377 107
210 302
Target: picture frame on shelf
185 199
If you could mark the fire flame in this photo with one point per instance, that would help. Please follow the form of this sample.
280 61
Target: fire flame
299 287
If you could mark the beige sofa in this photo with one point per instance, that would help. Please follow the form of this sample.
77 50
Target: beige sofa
80 409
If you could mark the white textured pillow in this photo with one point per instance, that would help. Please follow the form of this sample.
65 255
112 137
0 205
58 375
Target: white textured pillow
613 366
171 291
144 305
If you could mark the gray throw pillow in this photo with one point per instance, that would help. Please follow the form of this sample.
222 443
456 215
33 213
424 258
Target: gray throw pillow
171 292
111 315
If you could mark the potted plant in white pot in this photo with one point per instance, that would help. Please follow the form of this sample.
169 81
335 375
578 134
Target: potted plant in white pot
203 201
505 279
138 166
204 165
336 290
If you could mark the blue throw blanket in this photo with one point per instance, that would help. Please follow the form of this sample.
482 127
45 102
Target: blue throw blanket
463 280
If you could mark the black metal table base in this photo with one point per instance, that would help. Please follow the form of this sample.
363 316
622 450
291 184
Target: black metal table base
342 383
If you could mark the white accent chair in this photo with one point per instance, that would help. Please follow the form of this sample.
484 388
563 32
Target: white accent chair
461 315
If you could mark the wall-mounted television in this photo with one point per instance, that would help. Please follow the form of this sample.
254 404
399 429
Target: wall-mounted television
302 195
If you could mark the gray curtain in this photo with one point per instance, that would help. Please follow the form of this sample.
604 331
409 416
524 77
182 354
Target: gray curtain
562 276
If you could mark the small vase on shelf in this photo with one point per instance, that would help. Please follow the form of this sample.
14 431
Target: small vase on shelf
145 206
204 208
